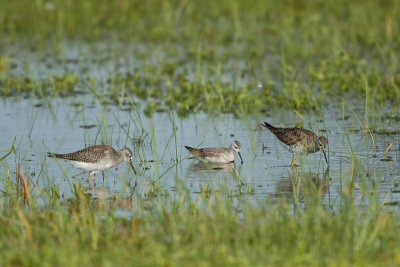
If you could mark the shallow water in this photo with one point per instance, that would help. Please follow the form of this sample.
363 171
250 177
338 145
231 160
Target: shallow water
159 153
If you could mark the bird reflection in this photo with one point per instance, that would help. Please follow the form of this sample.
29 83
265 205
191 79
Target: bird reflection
302 183
96 192
207 167
204 171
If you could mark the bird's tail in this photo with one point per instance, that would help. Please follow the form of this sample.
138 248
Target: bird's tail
270 127
52 155
193 151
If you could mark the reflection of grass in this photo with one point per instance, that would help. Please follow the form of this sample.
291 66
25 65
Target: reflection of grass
207 55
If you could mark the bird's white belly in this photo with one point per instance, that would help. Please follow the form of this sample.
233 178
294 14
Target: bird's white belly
223 158
303 149
92 167
298 149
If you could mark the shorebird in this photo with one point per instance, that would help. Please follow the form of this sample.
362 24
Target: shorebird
217 154
94 159
299 140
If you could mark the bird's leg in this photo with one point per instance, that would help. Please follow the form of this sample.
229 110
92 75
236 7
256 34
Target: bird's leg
93 176
88 178
294 159
94 179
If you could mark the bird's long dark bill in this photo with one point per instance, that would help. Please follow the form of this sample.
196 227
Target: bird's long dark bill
133 168
241 160
326 159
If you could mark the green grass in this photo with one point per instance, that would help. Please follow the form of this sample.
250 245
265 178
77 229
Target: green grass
206 56
201 56
209 231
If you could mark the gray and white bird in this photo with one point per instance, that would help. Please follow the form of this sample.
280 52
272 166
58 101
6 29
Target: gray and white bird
217 154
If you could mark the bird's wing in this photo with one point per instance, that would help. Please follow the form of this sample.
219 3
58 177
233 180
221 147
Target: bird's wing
291 136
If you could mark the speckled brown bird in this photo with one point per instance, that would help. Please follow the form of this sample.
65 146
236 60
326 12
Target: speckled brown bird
299 140
98 158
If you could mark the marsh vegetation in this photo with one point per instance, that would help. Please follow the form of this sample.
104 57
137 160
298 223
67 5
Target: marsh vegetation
157 75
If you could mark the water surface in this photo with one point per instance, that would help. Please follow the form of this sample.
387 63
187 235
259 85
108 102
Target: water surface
158 144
